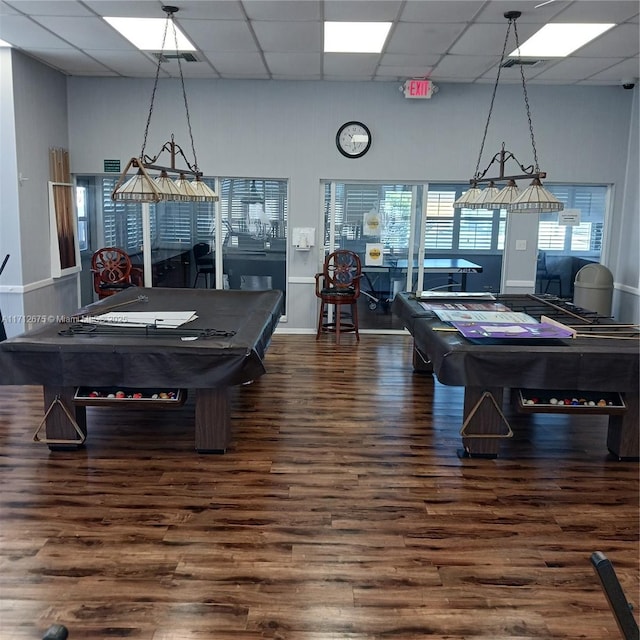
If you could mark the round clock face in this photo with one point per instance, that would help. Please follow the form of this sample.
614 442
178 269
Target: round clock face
353 139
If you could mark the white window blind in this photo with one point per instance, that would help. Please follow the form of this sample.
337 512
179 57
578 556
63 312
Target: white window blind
440 219
590 200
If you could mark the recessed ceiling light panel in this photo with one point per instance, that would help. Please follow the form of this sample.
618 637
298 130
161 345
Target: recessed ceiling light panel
147 33
355 37
556 40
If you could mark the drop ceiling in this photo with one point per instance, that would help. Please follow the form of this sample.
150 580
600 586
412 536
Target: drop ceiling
445 40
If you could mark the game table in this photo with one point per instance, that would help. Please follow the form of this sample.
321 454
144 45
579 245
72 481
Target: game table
396 269
223 347
602 359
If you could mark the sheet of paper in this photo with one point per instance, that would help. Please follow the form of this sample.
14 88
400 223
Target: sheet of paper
454 295
496 317
464 306
165 319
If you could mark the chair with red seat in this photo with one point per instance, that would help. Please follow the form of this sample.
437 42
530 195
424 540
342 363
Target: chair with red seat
339 284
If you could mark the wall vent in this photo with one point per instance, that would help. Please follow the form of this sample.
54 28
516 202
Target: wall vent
187 56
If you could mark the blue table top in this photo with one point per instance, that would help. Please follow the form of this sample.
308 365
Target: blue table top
433 265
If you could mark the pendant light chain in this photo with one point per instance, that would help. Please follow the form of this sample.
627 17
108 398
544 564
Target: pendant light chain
526 102
493 97
535 198
153 93
184 97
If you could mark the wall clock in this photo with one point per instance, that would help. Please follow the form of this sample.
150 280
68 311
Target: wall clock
353 139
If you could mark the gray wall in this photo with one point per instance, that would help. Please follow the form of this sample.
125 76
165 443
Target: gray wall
27 290
624 231
287 130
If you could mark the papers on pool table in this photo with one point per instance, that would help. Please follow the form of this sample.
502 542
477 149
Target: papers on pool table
495 317
454 295
505 331
464 306
165 319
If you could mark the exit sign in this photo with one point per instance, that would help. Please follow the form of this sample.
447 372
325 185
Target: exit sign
418 88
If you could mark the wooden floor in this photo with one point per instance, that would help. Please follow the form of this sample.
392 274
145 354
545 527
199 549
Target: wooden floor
340 512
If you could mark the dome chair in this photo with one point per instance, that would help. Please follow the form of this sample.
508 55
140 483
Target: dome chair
339 284
112 272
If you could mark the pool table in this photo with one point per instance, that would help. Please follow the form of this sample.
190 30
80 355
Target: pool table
603 358
223 347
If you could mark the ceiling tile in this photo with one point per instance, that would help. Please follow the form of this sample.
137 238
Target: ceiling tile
289 36
455 66
619 73
213 36
621 41
242 65
533 11
403 73
84 33
128 9
459 36
599 11
282 10
423 38
72 60
355 10
440 11
126 63
48 8
484 39
210 10
401 60
26 34
350 64
300 65
568 69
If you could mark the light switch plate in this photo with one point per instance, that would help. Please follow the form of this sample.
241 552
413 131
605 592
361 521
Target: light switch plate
521 245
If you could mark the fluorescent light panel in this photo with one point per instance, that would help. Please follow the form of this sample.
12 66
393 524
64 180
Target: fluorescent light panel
557 40
355 37
146 34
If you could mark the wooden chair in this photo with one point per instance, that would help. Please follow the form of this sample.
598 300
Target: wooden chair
339 285
113 272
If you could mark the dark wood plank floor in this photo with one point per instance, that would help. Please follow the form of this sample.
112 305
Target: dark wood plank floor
340 512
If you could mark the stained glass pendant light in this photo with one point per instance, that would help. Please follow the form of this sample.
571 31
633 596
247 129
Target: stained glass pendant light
142 187
534 199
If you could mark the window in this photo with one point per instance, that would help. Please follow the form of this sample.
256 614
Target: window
459 230
583 238
83 207
440 219
258 208
172 223
389 204
449 229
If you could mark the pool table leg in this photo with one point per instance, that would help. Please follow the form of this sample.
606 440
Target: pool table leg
483 422
623 437
57 424
213 420
421 362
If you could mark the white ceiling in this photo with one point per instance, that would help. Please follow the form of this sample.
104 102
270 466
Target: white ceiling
445 40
